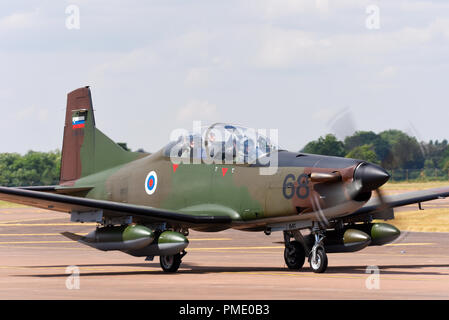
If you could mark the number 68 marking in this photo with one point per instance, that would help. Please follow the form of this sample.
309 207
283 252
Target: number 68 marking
289 189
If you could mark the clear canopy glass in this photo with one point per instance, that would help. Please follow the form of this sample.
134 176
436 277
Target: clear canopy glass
221 142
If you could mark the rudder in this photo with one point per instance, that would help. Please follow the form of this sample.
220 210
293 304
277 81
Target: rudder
85 149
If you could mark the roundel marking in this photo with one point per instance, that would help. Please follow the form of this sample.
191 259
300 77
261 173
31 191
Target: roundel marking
151 182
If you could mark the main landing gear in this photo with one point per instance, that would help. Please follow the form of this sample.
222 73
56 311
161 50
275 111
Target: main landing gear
171 263
295 251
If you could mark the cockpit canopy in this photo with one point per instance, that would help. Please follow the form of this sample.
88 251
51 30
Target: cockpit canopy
220 143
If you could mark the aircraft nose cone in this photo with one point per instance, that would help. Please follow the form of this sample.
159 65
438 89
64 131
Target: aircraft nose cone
371 176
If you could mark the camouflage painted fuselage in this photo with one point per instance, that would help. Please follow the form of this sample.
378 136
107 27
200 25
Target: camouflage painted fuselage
236 190
104 171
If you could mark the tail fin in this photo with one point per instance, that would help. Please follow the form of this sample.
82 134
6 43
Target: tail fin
85 149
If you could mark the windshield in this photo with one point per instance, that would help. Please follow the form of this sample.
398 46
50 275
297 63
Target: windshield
221 143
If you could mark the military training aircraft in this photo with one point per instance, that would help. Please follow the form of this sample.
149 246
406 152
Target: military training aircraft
212 180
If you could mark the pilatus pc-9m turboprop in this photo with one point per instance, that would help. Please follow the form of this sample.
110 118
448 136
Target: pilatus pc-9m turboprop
145 204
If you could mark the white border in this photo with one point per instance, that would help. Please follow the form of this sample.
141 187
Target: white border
148 191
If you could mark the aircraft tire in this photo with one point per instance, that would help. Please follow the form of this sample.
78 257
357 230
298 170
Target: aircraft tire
170 263
320 265
294 255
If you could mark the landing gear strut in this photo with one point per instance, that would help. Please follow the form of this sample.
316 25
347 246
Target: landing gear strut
317 256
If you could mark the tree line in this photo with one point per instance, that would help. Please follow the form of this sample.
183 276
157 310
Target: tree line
31 169
394 150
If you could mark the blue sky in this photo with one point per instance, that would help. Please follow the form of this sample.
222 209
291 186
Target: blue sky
154 66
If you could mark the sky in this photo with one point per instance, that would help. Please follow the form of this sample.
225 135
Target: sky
305 68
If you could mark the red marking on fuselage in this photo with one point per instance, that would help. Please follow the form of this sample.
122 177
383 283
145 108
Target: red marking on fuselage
175 166
77 126
224 170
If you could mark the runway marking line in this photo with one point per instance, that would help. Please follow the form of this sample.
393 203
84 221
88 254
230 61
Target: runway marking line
71 241
280 273
45 224
191 249
33 234
34 219
324 275
409 244
37 242
81 268
57 248
210 239
83 234
235 248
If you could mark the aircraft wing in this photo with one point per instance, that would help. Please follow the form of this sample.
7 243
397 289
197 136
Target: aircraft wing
371 208
404 199
67 203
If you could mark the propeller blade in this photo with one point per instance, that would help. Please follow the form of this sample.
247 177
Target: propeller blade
383 211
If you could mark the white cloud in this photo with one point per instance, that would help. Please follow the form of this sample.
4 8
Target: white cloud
276 9
388 72
323 114
32 113
197 110
250 56
197 77
20 20
282 48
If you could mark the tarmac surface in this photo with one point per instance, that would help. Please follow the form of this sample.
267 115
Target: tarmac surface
225 265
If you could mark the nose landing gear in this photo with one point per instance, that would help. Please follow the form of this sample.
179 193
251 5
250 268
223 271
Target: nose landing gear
317 256
295 251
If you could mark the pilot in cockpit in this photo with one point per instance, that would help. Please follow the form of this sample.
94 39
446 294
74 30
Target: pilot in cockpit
249 152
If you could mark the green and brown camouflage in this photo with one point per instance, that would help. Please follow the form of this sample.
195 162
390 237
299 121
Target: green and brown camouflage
147 202
91 160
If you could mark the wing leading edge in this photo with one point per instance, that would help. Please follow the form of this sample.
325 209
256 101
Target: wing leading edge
404 199
67 203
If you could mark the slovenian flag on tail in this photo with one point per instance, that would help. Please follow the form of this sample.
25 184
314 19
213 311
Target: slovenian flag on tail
78 122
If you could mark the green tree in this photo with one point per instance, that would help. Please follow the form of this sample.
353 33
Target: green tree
405 151
365 152
329 146
32 169
380 146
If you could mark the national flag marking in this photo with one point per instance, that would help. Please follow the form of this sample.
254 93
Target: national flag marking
78 122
